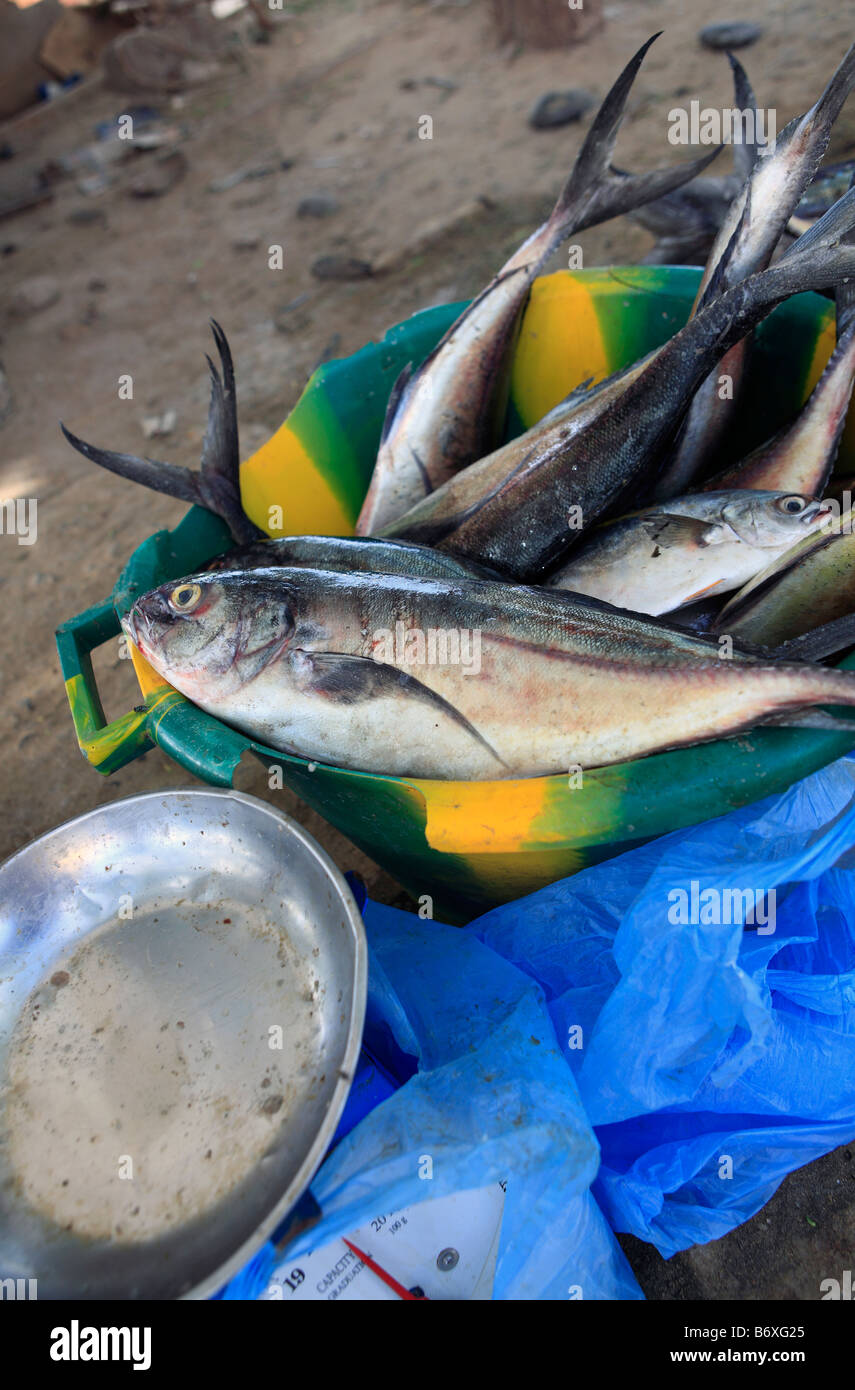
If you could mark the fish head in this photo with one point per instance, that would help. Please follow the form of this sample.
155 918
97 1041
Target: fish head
772 520
211 634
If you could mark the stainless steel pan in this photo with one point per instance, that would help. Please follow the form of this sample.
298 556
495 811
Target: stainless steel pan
182 994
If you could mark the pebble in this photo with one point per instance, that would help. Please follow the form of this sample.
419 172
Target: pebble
33 295
250 171
736 35
559 108
292 317
162 174
317 205
340 268
247 242
84 217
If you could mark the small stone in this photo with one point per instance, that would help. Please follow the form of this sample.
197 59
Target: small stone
292 317
559 108
85 217
340 268
260 170
156 426
161 174
735 35
96 286
317 205
33 295
246 243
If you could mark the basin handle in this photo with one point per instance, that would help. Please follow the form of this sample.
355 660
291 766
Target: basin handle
107 746
165 718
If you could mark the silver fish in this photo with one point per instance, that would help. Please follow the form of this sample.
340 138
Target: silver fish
464 679
812 584
744 245
354 554
801 456
450 411
705 543
523 520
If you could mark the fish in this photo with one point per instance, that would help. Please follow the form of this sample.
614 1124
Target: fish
810 585
523 521
519 681
450 411
430 519
356 554
661 559
801 456
745 244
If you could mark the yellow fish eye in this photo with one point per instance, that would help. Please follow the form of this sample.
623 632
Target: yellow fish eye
185 597
792 504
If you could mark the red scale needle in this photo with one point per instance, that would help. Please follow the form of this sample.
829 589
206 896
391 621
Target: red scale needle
384 1274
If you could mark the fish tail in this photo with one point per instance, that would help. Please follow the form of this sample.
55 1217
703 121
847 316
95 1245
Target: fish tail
217 486
816 123
594 192
744 151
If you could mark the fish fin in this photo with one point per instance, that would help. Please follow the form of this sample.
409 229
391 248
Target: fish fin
349 680
830 231
699 593
744 153
170 478
220 475
669 529
217 486
402 380
594 192
811 719
820 642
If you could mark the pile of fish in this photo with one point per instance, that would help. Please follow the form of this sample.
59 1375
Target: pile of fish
500 611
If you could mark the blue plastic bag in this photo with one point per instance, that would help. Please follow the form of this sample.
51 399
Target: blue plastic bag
716 1059
620 1046
493 1099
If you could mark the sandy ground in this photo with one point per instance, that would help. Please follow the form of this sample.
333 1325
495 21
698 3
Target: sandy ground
339 91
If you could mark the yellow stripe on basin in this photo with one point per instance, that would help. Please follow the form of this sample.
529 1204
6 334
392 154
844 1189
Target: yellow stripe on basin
282 473
562 313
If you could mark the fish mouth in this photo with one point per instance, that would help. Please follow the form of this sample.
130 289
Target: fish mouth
817 511
130 627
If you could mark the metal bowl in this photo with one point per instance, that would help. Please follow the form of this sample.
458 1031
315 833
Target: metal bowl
182 993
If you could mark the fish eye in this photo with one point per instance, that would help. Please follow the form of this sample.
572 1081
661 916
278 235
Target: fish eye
185 597
792 504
